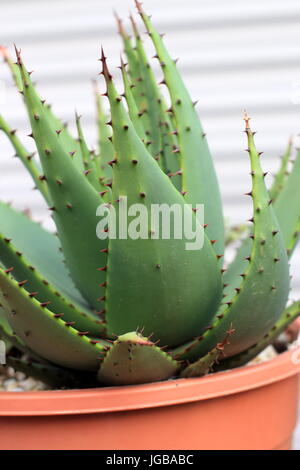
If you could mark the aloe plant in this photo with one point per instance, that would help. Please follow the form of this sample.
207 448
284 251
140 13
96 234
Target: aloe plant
92 310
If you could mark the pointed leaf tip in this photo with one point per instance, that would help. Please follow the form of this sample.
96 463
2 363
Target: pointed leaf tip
121 29
246 119
134 26
18 54
139 7
105 72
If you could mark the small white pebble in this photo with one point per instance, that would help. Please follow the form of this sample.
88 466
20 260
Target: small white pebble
10 372
28 384
10 384
40 386
14 381
20 376
266 355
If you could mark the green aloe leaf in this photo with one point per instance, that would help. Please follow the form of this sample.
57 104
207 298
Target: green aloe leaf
185 284
56 124
40 288
38 327
199 181
134 359
287 207
282 174
205 363
287 195
14 69
162 134
11 339
75 201
134 114
289 315
265 279
27 160
6 333
151 96
134 68
106 150
41 249
89 162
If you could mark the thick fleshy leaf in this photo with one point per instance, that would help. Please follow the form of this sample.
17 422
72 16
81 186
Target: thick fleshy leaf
161 133
284 188
4 325
39 328
67 140
282 174
154 283
199 181
152 96
14 69
265 280
6 333
41 249
106 150
134 68
286 318
10 338
90 165
205 364
134 359
135 117
27 160
75 201
287 207
40 288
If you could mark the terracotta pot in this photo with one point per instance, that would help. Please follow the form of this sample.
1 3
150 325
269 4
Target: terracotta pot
253 407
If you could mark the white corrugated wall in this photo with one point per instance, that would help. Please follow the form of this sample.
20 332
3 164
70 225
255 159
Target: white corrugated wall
233 56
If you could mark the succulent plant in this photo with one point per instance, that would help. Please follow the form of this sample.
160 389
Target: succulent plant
86 310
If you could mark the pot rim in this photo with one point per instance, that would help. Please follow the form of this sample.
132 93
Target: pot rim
156 394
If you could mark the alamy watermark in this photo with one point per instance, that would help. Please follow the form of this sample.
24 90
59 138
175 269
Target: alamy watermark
160 221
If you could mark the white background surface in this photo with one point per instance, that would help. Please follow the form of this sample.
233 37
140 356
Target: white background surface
233 56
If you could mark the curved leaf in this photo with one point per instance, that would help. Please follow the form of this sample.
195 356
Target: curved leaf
39 328
27 160
289 315
265 280
183 286
75 200
134 359
40 288
41 249
199 181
